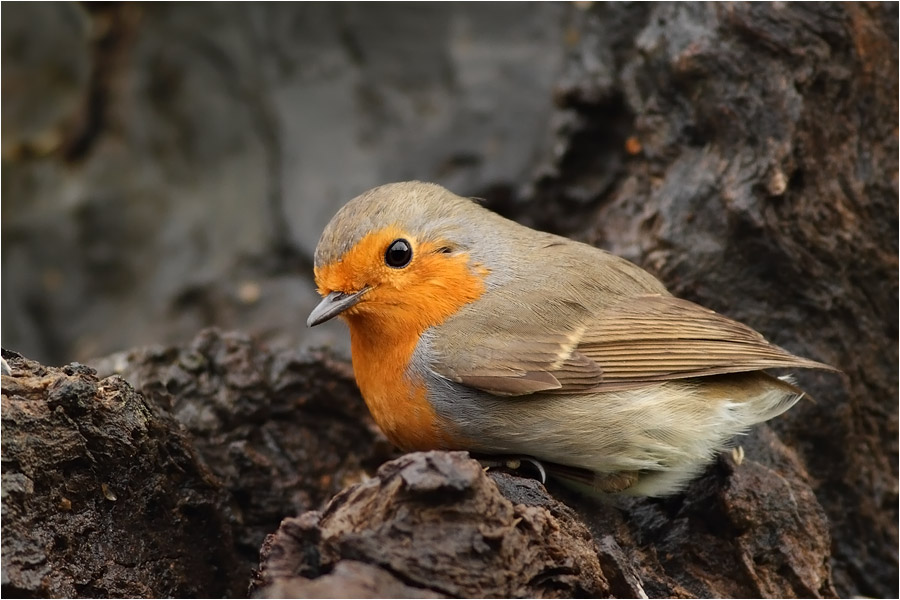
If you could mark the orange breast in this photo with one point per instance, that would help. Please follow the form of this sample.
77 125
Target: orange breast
386 324
397 404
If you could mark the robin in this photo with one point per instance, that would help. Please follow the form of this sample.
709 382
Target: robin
472 332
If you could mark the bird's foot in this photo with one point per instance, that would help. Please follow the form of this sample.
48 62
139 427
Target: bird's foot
521 465
585 479
527 466
737 455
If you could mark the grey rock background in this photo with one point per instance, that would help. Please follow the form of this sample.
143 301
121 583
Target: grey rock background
171 166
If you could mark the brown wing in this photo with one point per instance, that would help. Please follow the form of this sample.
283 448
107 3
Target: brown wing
658 338
641 340
523 361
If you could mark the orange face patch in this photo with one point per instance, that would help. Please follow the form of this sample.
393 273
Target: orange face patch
386 324
424 293
362 265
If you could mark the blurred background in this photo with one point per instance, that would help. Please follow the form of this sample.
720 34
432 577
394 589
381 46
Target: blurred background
171 166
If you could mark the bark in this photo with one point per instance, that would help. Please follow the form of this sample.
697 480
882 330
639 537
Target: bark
227 438
103 493
437 523
282 432
766 188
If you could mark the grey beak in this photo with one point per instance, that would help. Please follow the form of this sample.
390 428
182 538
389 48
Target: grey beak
332 305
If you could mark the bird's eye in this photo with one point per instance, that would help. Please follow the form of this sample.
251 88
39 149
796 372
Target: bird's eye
398 254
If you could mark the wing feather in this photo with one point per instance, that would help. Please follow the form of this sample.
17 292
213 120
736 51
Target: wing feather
651 338
658 338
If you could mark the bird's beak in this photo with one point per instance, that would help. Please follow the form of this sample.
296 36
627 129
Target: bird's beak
332 305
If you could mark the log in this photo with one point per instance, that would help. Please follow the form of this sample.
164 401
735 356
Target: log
218 441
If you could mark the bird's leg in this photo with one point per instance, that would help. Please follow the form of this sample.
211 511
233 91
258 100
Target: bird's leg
516 464
527 466
604 483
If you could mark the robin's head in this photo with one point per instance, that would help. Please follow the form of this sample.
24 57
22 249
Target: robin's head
399 254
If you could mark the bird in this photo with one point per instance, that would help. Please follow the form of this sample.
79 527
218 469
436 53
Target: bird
469 331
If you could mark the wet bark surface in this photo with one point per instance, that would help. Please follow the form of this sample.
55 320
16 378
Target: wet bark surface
744 153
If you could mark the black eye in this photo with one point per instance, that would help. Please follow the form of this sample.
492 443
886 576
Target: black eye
398 254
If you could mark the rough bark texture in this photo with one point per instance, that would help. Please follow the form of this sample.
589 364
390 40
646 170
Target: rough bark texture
435 521
228 437
281 432
170 166
104 495
766 188
224 441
